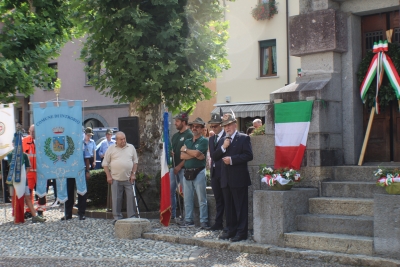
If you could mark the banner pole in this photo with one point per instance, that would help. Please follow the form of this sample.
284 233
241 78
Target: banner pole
4 189
366 138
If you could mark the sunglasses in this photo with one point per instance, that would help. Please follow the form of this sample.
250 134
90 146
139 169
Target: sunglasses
196 126
213 126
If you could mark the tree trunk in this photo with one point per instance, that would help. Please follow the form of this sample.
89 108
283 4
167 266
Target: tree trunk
150 132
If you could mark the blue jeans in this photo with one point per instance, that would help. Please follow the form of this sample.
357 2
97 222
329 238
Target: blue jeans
174 180
189 187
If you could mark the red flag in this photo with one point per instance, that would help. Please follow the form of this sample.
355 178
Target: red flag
165 202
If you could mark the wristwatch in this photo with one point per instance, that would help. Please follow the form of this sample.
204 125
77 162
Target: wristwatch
185 149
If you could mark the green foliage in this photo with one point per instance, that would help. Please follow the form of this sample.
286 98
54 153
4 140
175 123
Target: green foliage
97 187
265 10
259 131
142 181
386 91
30 36
154 51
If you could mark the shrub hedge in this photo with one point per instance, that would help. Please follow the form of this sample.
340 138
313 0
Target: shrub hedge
97 187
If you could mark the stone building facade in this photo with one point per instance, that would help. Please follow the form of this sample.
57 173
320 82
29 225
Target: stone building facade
330 38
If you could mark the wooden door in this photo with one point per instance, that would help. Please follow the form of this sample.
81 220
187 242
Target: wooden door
396 131
379 144
384 141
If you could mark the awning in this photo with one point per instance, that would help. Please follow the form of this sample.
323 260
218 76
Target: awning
243 111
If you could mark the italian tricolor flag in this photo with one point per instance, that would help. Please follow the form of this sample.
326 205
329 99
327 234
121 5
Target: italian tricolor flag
292 122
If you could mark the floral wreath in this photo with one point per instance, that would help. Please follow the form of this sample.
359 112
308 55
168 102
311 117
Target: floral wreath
54 157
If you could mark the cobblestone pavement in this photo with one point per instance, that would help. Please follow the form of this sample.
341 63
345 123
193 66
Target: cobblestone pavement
92 243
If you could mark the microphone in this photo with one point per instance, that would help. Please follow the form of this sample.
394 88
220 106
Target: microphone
228 136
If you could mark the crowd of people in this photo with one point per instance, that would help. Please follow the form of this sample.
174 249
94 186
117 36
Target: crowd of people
119 160
229 153
222 149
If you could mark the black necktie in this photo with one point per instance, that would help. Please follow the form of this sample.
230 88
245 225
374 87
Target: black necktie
215 140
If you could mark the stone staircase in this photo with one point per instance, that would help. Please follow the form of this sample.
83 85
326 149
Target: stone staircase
341 220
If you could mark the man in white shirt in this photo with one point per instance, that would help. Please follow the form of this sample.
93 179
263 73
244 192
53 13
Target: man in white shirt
120 165
105 144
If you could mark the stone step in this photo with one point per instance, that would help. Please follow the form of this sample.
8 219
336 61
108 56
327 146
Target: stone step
353 189
356 173
349 244
340 224
342 206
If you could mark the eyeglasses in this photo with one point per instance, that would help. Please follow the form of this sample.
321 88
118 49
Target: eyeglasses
213 126
197 126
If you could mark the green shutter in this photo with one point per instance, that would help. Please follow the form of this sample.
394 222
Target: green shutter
267 43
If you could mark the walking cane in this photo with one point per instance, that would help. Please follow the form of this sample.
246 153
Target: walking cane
177 190
134 195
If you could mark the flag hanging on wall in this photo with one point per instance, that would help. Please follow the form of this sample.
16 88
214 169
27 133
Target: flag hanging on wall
292 123
165 202
58 139
7 129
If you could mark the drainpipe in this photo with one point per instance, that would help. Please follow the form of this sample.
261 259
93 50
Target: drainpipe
287 42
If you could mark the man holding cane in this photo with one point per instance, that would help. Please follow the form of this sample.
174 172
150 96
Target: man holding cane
177 141
120 165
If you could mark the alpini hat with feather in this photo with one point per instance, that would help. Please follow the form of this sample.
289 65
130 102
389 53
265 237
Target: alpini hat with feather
198 121
183 115
228 118
216 118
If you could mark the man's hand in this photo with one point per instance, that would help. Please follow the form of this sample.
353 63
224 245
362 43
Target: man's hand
226 143
177 169
109 179
227 160
94 164
133 178
183 148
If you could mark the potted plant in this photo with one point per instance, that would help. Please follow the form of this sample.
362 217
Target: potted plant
265 10
389 179
279 179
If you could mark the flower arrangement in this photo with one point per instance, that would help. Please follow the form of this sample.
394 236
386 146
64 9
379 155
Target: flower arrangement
283 176
265 10
387 176
389 179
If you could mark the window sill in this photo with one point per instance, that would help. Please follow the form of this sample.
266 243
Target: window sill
268 77
88 85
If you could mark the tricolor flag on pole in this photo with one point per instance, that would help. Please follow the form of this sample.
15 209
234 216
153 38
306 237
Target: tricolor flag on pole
165 201
292 122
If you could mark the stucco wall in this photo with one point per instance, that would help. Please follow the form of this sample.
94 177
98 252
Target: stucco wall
241 82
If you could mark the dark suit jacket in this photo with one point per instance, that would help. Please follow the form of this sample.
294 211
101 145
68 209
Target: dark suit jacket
211 149
237 174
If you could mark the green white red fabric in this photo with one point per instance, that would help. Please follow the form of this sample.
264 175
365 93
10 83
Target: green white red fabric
292 123
379 64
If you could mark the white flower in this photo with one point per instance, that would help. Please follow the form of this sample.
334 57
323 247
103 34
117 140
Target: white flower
287 174
270 169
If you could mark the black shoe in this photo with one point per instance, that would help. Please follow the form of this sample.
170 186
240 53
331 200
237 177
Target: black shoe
82 217
226 236
238 238
66 218
27 215
40 213
216 227
8 200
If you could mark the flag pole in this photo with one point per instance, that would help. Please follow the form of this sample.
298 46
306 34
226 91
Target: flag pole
366 138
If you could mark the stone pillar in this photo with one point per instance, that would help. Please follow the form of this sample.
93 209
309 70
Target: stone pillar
275 213
386 225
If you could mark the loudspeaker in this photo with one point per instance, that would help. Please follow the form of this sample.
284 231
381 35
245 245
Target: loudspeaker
130 126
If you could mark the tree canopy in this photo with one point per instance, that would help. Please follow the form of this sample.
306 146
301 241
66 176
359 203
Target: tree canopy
32 32
153 51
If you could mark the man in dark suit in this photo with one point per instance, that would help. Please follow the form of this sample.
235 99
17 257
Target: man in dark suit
215 169
234 153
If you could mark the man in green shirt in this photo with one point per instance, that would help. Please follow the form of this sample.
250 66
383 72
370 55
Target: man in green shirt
194 153
177 170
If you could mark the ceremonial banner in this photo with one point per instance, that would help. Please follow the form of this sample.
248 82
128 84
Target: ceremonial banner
292 122
165 202
7 129
58 139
